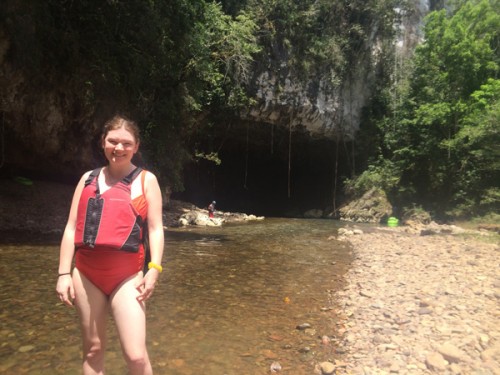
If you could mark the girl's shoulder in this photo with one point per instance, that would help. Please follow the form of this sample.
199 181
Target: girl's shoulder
86 176
148 176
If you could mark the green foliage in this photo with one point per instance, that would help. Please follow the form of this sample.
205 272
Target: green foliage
213 157
308 39
490 218
221 57
384 175
233 7
443 129
163 62
183 69
475 145
320 37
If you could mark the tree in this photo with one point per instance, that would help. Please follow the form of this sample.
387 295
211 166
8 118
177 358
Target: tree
460 53
164 62
476 147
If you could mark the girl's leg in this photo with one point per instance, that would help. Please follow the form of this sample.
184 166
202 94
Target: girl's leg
92 305
130 319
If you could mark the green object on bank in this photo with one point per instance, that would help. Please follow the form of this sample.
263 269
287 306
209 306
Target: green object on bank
392 222
23 180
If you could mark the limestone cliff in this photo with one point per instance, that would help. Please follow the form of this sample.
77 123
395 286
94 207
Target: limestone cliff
325 110
51 125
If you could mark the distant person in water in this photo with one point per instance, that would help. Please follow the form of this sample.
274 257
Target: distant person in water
112 209
211 209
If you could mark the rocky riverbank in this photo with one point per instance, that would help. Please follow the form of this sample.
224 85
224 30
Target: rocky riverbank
417 301
421 301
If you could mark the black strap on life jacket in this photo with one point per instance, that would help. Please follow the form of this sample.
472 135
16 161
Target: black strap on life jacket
127 180
92 175
97 202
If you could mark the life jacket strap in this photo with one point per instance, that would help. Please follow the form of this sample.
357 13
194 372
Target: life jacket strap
92 175
127 180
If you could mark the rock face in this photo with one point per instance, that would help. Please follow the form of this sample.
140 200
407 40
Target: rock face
314 213
44 128
416 216
315 104
319 111
54 127
372 207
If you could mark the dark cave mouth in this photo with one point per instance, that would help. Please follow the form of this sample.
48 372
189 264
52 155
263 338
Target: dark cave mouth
255 179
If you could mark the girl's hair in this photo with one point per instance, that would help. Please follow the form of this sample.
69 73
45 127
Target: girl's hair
121 121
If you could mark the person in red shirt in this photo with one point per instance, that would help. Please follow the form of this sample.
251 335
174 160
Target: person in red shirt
211 209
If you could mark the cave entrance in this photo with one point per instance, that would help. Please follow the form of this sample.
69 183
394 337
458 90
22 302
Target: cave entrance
259 175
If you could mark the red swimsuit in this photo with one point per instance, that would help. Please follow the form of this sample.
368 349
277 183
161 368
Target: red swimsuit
104 265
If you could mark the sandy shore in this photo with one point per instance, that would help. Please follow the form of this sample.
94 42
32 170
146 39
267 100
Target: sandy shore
421 304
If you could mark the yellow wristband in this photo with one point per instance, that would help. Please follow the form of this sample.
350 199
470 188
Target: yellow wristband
155 266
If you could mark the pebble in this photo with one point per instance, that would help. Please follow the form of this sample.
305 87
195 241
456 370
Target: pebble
420 304
303 326
327 368
26 348
275 367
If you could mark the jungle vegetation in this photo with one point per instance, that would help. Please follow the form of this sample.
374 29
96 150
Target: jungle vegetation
430 136
439 134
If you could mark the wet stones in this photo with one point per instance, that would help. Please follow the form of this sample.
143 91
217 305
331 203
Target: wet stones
451 353
420 304
199 217
303 326
435 361
327 368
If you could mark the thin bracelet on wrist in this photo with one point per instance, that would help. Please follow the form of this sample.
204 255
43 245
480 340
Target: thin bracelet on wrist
63 274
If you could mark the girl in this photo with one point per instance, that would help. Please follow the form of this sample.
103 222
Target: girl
111 209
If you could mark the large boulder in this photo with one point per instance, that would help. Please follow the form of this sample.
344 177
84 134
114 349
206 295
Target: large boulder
314 213
416 215
199 218
372 207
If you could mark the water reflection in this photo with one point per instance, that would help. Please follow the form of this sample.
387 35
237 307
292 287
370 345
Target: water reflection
229 301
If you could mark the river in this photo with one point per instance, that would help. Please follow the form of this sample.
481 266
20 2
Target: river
229 301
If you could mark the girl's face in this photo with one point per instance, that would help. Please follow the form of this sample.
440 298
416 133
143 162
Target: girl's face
119 146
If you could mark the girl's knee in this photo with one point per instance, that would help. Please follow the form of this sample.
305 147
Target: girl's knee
137 360
94 352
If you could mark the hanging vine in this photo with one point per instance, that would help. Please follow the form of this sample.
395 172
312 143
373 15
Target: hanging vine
2 142
336 172
246 159
289 153
272 139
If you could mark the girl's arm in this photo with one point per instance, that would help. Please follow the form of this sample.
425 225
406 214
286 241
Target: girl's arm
155 230
64 286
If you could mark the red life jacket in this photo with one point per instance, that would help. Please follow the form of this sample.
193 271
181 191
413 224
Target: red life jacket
109 219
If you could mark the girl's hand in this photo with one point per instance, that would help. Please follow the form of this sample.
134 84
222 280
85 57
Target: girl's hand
147 284
65 289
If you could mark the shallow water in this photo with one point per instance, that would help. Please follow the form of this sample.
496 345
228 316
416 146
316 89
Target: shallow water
228 302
